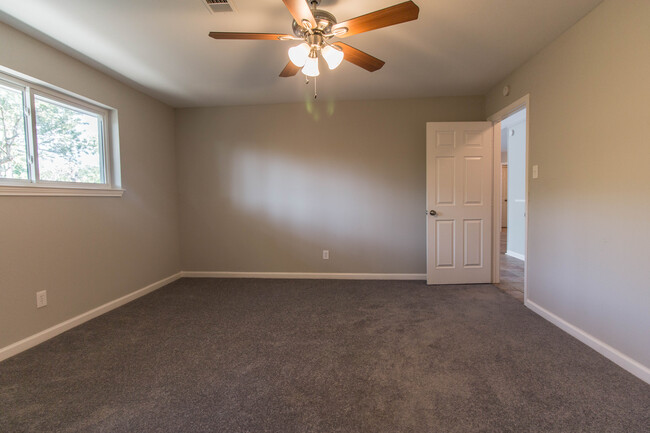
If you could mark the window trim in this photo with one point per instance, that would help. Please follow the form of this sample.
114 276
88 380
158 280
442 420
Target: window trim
59 191
109 156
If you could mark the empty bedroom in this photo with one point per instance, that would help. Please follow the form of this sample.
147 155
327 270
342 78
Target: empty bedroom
301 216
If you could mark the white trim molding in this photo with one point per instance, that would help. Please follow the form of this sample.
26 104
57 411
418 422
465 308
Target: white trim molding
33 340
516 255
304 275
617 357
40 190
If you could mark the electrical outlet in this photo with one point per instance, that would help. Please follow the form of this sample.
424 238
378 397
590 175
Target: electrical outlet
41 299
326 254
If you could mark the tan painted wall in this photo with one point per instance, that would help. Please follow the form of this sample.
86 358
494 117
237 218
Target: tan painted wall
589 227
87 251
267 188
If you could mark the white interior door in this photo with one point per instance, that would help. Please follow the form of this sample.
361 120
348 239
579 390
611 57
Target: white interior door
459 202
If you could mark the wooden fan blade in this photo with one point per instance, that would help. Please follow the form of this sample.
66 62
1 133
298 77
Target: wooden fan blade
359 58
290 70
300 11
253 36
400 13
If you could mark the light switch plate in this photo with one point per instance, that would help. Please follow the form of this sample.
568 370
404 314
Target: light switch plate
535 171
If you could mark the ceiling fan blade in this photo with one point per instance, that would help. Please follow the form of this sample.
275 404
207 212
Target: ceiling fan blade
290 70
253 36
359 58
400 13
300 11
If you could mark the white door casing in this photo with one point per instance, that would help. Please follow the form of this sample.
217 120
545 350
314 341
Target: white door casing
504 195
459 190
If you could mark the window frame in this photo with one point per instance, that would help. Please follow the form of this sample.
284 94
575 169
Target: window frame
21 88
109 151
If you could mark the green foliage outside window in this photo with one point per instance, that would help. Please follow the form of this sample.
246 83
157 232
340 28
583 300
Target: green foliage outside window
13 146
68 144
67 140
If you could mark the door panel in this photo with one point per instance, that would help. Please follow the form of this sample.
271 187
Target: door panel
474 139
473 181
473 246
459 189
446 244
446 179
445 138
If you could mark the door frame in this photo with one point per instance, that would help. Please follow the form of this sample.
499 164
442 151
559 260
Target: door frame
503 164
496 118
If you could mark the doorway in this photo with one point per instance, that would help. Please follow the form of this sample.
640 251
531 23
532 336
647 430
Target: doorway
511 127
512 248
458 225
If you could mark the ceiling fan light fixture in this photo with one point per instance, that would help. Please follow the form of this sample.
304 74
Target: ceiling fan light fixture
332 55
317 26
299 54
311 67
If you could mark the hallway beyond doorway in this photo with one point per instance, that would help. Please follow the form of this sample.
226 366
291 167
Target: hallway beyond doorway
511 271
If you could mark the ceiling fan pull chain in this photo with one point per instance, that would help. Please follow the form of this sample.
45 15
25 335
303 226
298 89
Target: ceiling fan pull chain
315 88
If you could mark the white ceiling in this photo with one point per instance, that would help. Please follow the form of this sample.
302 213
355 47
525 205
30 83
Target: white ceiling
456 47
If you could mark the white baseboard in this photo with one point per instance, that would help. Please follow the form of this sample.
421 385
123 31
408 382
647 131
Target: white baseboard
304 275
516 255
31 341
624 361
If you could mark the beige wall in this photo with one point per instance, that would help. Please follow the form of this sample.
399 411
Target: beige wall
589 227
86 251
267 188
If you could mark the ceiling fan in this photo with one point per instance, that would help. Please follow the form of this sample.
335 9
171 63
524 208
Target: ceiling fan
315 27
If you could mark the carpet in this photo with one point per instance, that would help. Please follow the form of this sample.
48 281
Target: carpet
237 355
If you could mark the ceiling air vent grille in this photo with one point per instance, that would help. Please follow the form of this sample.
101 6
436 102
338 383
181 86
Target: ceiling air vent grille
220 5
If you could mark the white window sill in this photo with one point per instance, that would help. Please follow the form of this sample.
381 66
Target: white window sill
58 191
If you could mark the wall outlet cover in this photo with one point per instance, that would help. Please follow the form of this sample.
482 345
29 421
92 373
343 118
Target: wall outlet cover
41 299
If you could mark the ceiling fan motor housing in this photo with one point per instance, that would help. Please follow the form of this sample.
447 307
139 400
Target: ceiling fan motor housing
324 22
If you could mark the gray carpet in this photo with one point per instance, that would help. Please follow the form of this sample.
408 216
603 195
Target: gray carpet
319 356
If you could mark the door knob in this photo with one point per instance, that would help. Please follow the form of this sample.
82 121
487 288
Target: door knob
433 212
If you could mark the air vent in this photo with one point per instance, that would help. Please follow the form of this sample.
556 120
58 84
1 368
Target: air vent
220 5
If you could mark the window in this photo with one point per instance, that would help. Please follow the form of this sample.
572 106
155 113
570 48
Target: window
52 143
13 137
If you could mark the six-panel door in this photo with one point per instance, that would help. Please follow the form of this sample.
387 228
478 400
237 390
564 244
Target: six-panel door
459 190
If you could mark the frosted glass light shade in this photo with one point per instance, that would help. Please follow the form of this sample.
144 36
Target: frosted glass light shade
298 54
332 56
311 67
